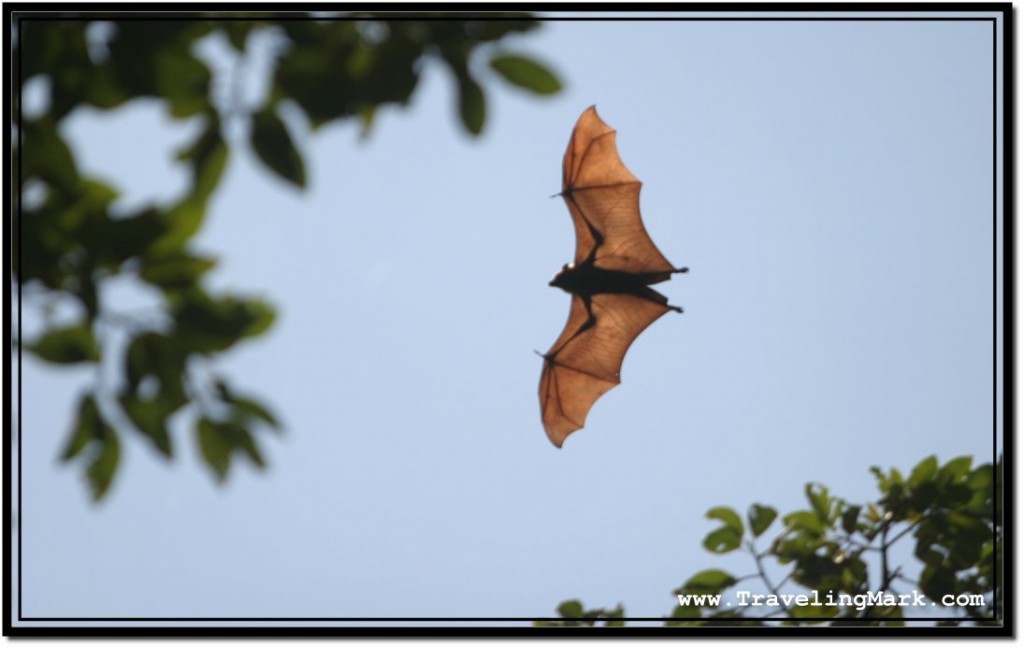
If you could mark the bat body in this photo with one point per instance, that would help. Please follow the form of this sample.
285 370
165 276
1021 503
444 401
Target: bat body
609 280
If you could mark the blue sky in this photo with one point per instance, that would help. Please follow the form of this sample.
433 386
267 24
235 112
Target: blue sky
828 184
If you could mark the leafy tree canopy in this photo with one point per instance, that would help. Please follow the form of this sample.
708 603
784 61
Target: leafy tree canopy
842 552
70 243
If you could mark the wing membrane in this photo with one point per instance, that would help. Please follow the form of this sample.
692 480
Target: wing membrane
603 197
586 359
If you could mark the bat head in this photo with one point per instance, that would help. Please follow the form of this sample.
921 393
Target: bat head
560 278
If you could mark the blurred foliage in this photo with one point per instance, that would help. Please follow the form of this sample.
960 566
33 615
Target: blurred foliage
574 615
951 512
74 243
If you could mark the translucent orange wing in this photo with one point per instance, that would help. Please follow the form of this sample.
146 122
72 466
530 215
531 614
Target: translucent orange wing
603 197
586 359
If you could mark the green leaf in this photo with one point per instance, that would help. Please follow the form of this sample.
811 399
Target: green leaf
88 428
873 514
100 472
215 449
46 155
811 612
184 81
150 418
615 618
709 581
177 270
883 481
115 240
261 317
684 615
570 609
251 408
67 345
243 440
218 440
526 73
760 518
273 145
955 469
472 107
245 408
980 482
729 516
821 503
181 221
103 90
366 115
850 517
154 354
237 32
923 471
208 324
208 155
937 581
804 521
722 540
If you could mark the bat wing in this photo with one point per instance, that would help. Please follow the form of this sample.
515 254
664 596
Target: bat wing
586 359
603 197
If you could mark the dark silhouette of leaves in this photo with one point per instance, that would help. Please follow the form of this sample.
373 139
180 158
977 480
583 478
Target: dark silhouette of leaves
71 243
958 537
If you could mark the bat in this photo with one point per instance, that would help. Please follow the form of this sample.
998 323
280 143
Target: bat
616 261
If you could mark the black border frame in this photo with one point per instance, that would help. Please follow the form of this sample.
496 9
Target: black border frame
1002 67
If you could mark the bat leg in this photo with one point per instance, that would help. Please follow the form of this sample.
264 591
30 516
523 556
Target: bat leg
682 270
654 296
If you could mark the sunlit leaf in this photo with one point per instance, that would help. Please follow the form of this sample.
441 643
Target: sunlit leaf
208 155
182 222
821 503
727 515
722 540
923 471
804 520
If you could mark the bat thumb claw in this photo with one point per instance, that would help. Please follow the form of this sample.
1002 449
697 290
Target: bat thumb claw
682 270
